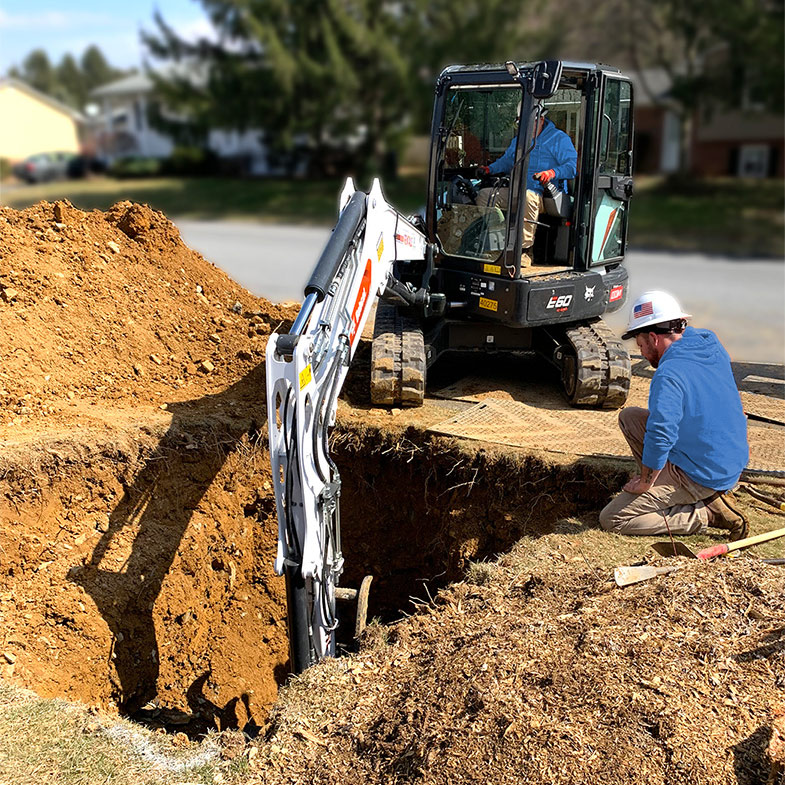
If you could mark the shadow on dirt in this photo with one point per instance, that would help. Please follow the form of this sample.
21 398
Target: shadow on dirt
157 507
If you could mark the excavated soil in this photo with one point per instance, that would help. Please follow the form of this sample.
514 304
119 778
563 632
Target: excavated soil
137 536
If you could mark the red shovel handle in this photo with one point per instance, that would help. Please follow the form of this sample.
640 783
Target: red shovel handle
715 550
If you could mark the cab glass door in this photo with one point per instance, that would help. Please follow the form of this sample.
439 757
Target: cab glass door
613 173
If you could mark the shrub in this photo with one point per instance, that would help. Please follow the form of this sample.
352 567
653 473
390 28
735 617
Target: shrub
135 166
189 161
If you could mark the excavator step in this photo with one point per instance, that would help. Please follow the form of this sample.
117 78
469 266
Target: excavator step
397 359
598 373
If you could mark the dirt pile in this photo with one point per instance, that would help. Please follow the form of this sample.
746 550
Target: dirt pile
136 519
553 676
114 307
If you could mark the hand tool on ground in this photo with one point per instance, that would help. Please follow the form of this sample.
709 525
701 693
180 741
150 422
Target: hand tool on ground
763 497
668 548
625 576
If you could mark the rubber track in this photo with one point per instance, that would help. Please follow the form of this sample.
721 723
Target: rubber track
604 368
397 359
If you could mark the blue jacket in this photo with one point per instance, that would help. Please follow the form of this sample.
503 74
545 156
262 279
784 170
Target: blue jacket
695 416
553 149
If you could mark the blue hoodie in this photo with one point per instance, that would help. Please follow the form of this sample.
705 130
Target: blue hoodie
696 420
553 149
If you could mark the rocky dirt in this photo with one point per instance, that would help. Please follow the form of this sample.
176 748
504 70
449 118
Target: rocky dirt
137 535
135 510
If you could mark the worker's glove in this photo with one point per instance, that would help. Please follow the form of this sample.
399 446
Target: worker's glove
545 176
481 171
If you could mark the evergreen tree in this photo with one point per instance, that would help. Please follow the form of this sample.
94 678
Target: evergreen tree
96 70
37 71
70 83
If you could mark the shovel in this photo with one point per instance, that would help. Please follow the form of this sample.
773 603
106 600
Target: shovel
625 576
668 548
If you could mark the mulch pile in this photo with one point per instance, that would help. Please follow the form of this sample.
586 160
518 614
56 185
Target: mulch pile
554 679
115 307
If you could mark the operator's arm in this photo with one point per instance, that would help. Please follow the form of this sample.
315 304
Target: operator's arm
504 164
566 157
563 158
666 409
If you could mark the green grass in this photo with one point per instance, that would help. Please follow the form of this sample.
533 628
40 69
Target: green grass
727 216
284 201
54 742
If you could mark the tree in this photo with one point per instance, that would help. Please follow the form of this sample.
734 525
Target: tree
328 71
96 69
37 71
716 53
70 83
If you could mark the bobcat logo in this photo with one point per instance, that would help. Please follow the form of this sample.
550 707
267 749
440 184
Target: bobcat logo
589 293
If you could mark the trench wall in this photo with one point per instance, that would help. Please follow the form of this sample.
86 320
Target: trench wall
137 573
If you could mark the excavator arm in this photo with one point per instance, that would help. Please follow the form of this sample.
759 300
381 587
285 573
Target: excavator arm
306 369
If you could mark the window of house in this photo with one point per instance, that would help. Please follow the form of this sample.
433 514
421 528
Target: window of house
753 160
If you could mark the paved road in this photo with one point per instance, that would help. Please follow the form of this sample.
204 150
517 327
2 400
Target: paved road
742 300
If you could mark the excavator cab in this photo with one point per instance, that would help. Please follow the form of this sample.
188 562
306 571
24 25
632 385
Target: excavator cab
480 297
477 221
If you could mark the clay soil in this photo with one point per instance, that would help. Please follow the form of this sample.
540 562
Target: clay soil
137 536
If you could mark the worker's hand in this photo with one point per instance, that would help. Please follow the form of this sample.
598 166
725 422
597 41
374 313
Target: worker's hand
482 171
637 485
545 176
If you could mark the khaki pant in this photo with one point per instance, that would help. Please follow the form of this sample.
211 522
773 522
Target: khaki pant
500 197
673 503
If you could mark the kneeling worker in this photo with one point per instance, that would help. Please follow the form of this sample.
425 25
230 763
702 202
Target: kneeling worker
691 444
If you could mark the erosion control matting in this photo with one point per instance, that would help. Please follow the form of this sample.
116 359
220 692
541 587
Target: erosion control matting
581 432
518 413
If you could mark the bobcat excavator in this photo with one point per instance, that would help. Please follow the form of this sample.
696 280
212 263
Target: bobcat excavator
450 281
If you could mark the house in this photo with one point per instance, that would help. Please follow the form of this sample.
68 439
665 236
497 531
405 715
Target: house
746 142
35 123
122 127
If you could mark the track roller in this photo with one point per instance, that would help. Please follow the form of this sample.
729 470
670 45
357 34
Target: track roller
397 359
597 371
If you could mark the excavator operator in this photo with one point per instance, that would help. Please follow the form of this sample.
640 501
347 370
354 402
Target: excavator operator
553 157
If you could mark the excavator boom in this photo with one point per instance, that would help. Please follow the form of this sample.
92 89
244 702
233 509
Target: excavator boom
306 369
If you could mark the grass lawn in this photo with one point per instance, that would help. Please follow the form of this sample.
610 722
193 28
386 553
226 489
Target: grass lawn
282 201
724 216
727 216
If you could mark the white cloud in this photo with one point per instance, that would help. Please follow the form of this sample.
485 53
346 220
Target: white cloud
52 20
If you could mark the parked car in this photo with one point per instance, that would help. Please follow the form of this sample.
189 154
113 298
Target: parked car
43 166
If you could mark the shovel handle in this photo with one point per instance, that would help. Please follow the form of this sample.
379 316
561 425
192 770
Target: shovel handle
721 550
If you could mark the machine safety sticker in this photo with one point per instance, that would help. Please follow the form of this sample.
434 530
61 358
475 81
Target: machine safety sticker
380 248
492 269
488 304
305 376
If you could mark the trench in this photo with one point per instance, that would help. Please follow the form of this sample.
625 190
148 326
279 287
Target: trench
139 578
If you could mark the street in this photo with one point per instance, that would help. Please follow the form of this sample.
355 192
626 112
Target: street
742 300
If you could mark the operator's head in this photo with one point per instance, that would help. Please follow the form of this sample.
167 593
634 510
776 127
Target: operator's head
656 321
540 117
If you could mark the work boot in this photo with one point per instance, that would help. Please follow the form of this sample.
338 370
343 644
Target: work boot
724 515
526 258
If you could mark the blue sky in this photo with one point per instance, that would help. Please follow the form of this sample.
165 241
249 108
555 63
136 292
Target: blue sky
113 25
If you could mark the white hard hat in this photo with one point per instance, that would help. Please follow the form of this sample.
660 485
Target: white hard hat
651 309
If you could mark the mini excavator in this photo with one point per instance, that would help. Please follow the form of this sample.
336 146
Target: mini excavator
450 281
